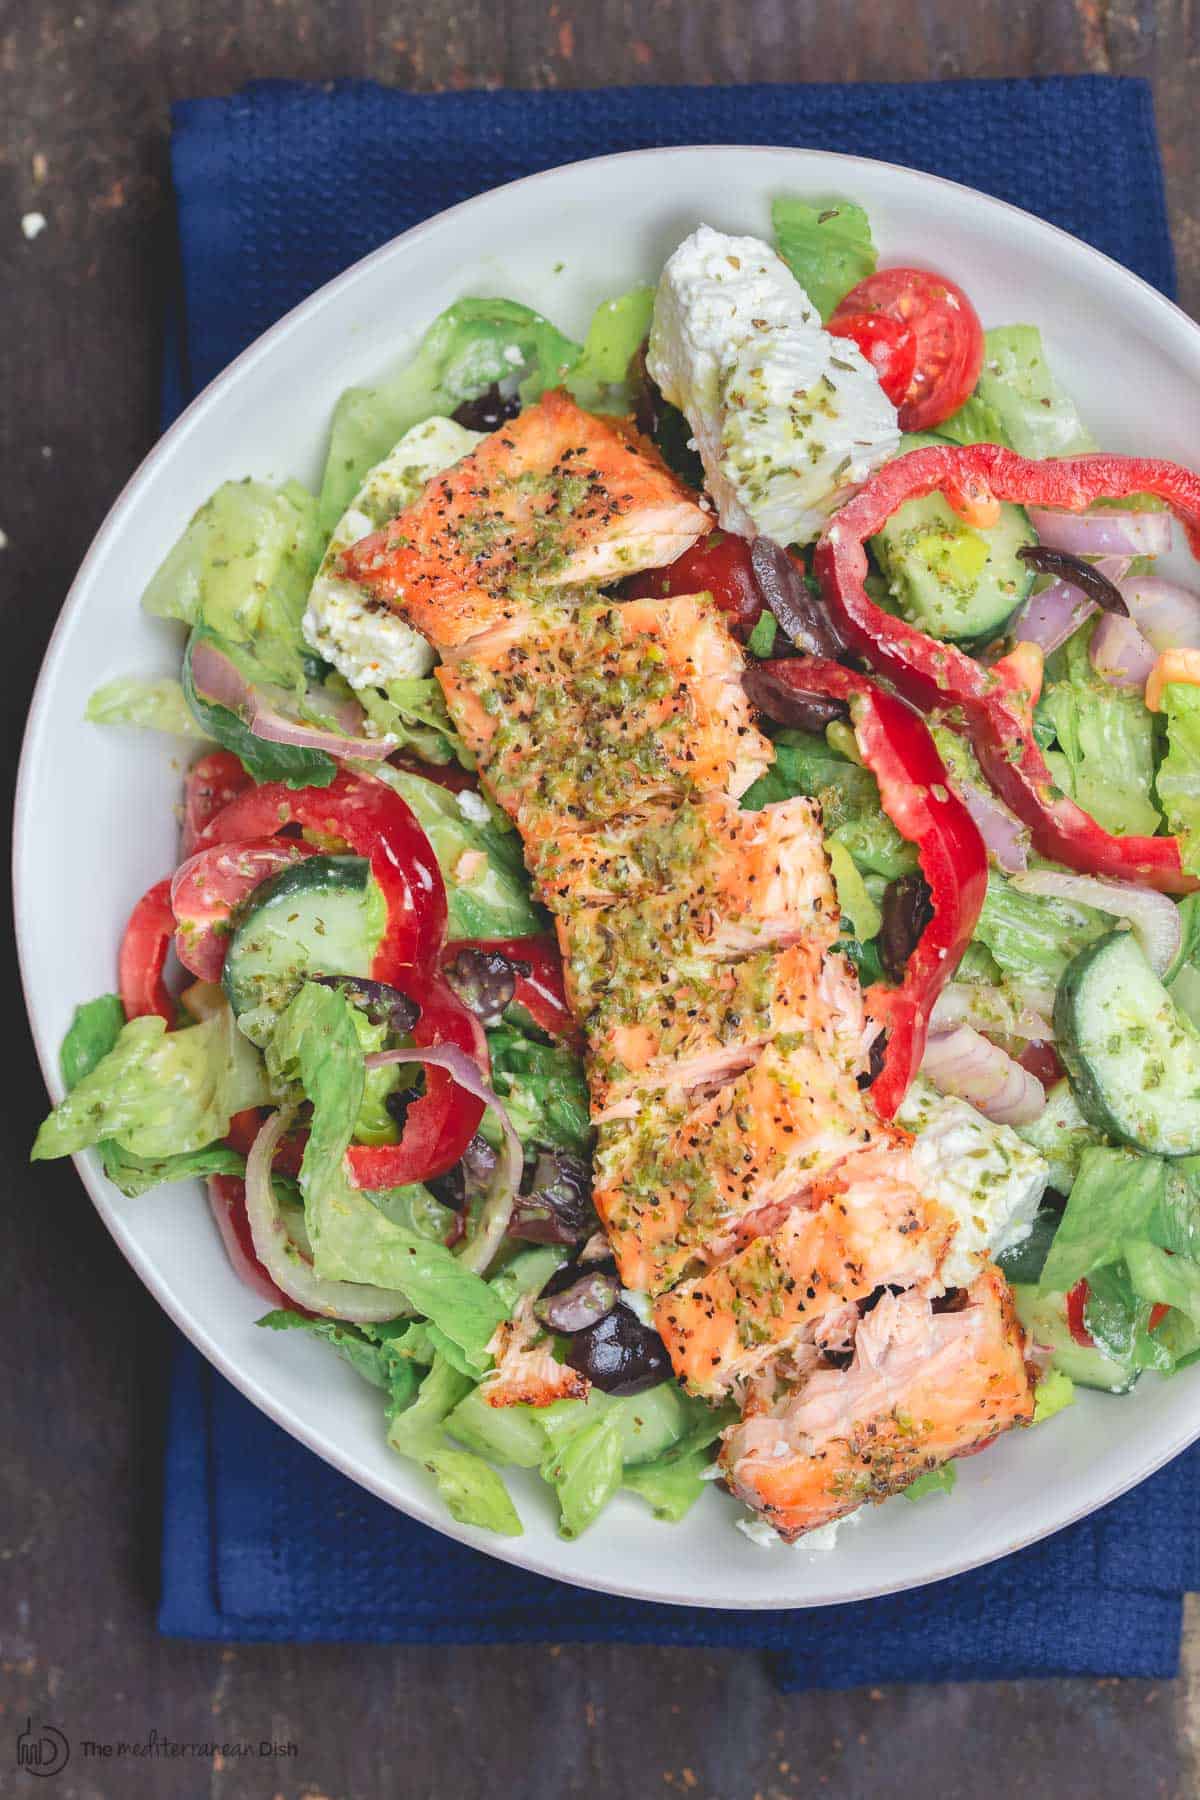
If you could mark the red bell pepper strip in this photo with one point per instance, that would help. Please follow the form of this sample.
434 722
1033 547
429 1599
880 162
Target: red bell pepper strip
915 793
541 992
439 1126
982 702
143 956
375 822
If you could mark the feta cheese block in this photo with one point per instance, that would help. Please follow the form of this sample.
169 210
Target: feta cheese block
983 1173
360 635
787 419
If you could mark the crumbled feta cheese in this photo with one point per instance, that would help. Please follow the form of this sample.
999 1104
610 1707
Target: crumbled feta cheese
767 1538
473 807
786 418
362 637
32 225
988 1177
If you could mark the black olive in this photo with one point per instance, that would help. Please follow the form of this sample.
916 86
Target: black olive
485 981
469 1177
1083 575
797 608
488 411
788 705
557 1208
875 1056
906 911
647 397
589 1297
382 1004
620 1355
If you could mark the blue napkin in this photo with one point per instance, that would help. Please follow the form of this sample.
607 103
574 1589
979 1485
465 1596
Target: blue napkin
279 188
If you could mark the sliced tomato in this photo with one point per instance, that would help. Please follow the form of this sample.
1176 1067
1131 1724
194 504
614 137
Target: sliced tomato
209 885
227 1200
541 992
889 346
718 565
1077 1300
945 329
143 956
210 785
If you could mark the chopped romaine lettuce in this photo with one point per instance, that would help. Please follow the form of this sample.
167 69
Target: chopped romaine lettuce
471 1491
671 1484
598 378
375 1362
934 1481
243 567
161 1095
1054 1391
849 798
316 1043
156 703
1179 772
413 711
487 889
585 1471
828 248
854 902
1062 1134
543 1089
1105 737
1116 1195
471 346
1032 936
1018 402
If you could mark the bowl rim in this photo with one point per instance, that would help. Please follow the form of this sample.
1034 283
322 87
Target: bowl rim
430 1513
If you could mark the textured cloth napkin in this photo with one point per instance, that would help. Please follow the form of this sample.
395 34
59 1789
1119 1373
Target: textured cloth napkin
279 188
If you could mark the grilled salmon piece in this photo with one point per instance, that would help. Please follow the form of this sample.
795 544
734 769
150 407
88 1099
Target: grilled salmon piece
924 1386
740 880
608 708
555 497
868 1227
682 1184
526 1372
677 1020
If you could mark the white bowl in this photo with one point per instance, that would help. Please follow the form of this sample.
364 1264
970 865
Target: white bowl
103 801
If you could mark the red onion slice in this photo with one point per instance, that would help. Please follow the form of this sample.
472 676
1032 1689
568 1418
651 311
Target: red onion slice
991 1009
1120 654
1049 618
1103 532
271 713
1007 840
479 1249
1154 917
1165 613
962 1062
285 1262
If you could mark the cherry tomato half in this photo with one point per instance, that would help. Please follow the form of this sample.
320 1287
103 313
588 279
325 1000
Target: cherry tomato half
211 784
946 331
718 565
143 956
889 347
209 885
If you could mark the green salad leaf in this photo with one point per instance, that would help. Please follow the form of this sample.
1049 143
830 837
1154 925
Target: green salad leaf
829 248
1032 936
543 1089
1178 779
156 703
470 1489
469 347
1116 1195
1105 737
1018 402
597 379
160 1095
487 889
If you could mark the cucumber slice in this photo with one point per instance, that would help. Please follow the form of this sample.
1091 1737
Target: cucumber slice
950 579
323 916
1044 1317
1026 1260
1132 1057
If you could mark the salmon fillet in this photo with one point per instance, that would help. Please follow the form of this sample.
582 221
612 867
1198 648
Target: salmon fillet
605 709
681 1185
867 1226
557 497
923 1387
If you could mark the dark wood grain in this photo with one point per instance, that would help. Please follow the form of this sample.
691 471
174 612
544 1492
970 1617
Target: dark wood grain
84 92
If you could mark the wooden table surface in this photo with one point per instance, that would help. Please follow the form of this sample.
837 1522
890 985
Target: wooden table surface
84 90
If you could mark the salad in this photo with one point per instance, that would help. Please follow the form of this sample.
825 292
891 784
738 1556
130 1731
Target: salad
684 960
